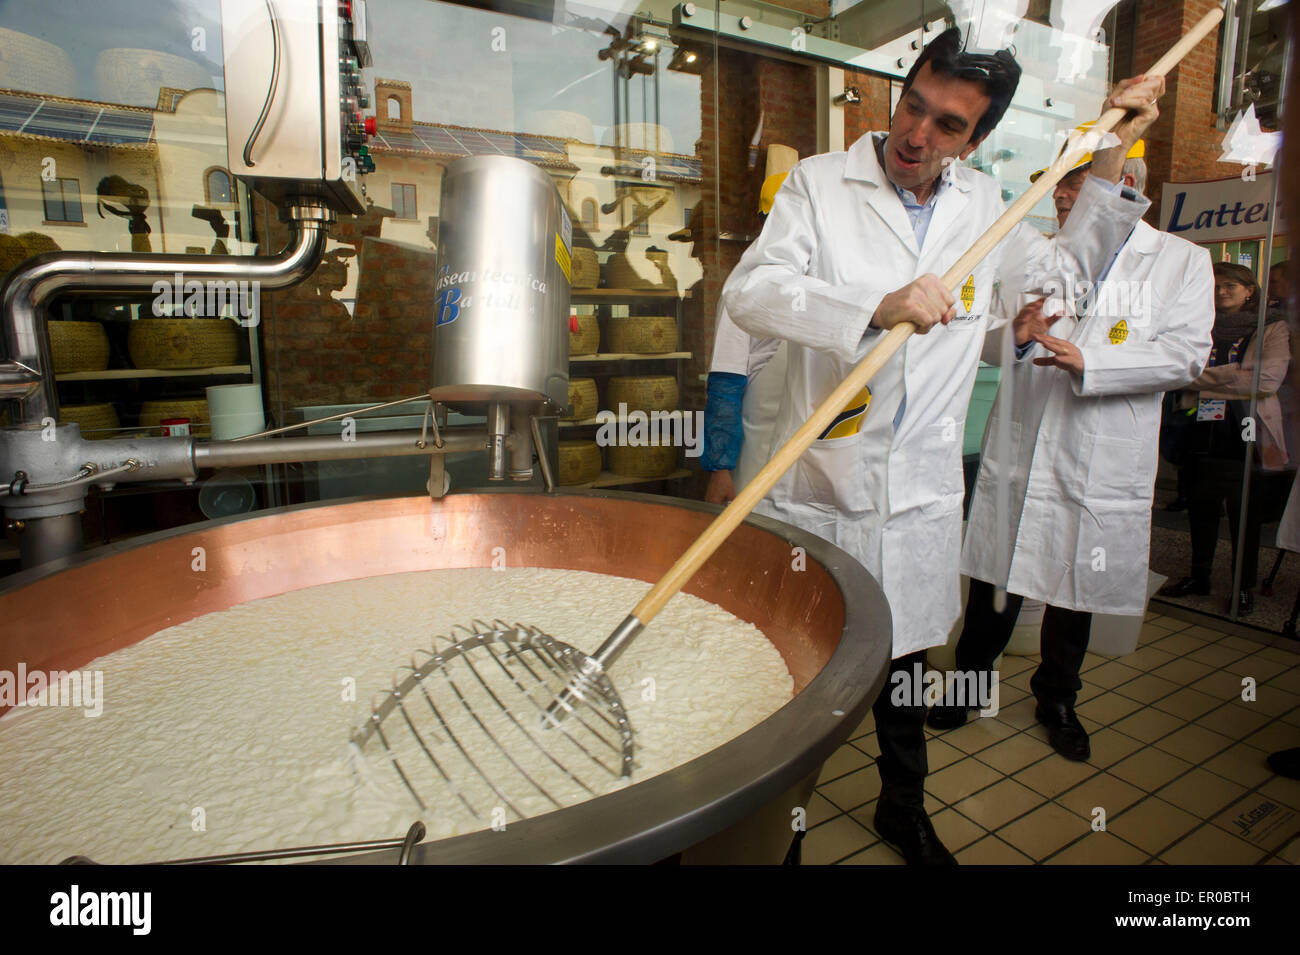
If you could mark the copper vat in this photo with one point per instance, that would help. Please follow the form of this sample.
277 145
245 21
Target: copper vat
829 620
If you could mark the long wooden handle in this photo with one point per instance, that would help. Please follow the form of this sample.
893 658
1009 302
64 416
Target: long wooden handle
753 492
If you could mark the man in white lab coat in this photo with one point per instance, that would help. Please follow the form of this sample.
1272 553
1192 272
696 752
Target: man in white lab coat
1081 462
853 246
746 381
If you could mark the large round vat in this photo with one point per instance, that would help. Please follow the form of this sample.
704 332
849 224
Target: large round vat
819 607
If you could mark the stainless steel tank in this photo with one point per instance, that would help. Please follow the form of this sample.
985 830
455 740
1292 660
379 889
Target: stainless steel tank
826 616
501 328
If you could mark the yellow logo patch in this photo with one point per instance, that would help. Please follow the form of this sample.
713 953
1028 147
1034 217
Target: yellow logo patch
562 258
1119 333
849 421
968 293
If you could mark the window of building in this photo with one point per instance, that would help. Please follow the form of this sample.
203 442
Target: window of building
394 108
62 199
217 186
404 201
590 220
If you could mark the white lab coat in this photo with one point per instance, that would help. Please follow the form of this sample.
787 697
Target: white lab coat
1082 455
837 241
762 361
1288 529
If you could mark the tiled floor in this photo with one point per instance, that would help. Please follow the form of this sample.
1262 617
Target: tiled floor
1177 773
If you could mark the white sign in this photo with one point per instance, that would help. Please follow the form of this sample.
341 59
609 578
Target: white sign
1221 211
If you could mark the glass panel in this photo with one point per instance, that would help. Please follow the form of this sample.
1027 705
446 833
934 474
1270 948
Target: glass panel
601 99
124 101
1251 66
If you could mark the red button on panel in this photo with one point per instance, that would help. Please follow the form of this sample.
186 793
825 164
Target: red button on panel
370 125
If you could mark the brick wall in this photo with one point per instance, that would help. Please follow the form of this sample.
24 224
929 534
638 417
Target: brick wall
785 93
814 8
316 353
870 114
1185 143
1122 42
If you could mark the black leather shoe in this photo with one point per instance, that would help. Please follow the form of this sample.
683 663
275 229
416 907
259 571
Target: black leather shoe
910 832
1188 586
1286 763
1064 731
1245 603
943 717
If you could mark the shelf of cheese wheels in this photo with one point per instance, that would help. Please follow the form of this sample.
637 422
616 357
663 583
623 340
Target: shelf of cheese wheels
159 348
583 462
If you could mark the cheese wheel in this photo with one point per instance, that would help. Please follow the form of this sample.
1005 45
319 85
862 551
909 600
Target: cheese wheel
641 335
583 400
643 393
579 462
586 340
646 462
97 420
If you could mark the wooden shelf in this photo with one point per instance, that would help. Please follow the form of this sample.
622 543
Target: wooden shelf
611 356
609 479
118 374
592 422
594 295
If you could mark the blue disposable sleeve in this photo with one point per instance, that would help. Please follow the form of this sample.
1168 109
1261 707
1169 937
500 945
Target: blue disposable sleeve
723 425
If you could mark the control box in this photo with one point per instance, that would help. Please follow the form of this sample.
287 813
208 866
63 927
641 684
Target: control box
294 100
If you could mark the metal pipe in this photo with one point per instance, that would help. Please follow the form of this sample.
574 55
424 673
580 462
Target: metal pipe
27 377
231 454
1248 461
16 379
359 412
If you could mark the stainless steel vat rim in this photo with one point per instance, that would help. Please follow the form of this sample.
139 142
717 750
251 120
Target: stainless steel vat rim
660 816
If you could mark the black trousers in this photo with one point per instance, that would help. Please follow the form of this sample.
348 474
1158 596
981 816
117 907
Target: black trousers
900 732
986 633
1217 482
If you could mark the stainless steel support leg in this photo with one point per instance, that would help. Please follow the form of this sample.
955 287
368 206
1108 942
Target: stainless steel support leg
437 485
521 454
498 422
43 539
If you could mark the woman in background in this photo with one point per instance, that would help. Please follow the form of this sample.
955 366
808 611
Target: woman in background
1219 404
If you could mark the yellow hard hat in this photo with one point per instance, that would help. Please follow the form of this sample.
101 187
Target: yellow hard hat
1137 151
767 194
